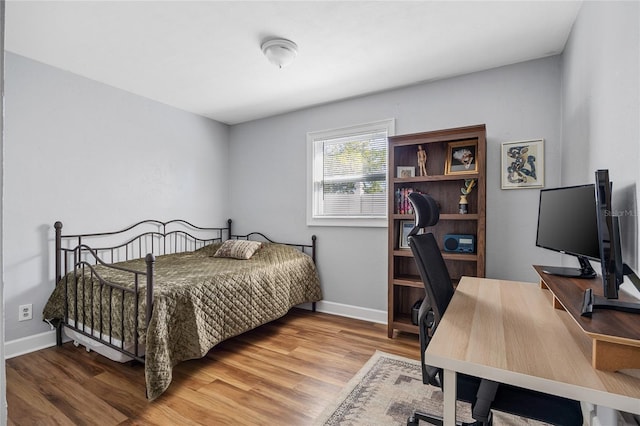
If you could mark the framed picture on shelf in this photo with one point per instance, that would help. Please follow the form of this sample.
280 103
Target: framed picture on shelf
405 227
461 158
405 171
522 164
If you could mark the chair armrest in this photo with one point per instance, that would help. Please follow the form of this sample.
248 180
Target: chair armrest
430 375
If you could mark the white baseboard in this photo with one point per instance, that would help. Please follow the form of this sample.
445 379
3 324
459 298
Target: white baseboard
47 339
350 311
25 345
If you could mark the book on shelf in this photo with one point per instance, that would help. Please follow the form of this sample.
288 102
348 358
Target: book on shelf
402 204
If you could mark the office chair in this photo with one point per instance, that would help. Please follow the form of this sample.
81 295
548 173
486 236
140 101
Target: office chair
483 394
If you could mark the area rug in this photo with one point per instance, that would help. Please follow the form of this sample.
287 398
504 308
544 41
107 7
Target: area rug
387 390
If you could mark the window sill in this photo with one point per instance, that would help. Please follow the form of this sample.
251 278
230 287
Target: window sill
349 221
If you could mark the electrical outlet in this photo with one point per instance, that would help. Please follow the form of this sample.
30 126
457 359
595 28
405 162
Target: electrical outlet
25 312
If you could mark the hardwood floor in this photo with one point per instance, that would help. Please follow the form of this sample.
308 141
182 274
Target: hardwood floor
283 373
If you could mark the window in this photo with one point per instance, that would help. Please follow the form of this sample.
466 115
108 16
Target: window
348 175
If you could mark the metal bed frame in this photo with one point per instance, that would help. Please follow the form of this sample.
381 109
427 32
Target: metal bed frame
74 257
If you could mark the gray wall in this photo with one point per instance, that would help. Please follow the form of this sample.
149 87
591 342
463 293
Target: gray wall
601 112
3 384
268 176
132 159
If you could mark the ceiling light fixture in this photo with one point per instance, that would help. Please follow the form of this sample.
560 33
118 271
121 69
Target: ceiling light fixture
279 51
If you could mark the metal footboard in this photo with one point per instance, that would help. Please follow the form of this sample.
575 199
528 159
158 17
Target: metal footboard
90 300
103 298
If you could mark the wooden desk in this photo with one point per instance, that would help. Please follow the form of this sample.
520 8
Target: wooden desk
509 332
615 335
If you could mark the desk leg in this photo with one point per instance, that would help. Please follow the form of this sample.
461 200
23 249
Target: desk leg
450 391
606 416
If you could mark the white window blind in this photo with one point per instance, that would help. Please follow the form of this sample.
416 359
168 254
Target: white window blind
349 173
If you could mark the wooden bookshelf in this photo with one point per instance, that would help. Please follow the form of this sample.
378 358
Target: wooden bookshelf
405 286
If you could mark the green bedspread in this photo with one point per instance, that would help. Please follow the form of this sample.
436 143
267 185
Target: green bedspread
199 301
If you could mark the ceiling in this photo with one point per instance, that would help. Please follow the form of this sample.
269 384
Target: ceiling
205 57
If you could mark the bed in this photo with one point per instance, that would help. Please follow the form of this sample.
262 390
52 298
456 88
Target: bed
164 292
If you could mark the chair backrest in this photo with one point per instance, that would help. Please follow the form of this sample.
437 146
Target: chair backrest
434 273
429 261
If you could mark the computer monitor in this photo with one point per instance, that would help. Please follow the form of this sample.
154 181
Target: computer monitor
609 237
610 246
567 224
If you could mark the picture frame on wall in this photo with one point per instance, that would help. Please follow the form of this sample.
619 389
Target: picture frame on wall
405 227
405 171
462 158
522 164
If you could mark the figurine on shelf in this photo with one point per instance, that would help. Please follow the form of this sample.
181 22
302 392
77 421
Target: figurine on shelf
422 161
463 204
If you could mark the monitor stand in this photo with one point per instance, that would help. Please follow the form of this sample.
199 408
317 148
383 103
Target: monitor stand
591 301
584 271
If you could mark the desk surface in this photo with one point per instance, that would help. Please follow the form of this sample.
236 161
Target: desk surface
509 332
